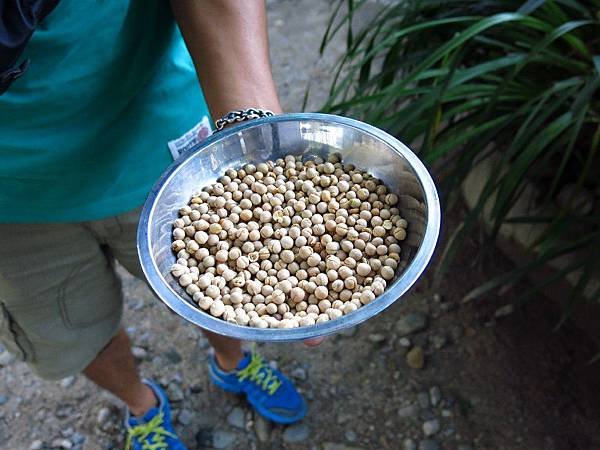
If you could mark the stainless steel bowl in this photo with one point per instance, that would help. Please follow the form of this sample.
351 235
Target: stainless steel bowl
308 135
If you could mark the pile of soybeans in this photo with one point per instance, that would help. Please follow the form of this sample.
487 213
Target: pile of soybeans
288 243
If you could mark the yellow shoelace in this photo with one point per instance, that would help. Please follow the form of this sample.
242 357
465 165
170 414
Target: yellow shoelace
261 374
144 430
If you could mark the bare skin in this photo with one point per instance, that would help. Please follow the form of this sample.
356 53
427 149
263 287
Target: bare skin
228 352
228 43
114 369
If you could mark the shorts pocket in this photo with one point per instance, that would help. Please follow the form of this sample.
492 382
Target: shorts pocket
13 337
85 303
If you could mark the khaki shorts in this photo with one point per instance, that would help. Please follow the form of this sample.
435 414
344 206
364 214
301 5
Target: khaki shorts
60 299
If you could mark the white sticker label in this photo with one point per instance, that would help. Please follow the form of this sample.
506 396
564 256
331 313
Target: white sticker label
194 136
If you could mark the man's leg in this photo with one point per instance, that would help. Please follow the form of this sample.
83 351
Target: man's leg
114 369
228 351
279 401
62 313
63 322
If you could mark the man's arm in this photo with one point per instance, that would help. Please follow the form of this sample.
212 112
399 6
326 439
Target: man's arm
228 42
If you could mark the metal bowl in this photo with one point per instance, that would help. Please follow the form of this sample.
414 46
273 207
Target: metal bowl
309 135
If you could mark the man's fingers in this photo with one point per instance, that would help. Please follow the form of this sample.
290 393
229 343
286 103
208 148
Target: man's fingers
313 342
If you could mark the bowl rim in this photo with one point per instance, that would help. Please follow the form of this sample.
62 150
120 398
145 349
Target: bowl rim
393 292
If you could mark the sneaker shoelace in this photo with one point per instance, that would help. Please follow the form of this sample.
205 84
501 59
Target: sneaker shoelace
143 431
259 372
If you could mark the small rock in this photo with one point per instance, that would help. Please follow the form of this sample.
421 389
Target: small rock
62 443
296 433
203 343
431 427
273 365
77 438
438 341
299 374
196 388
64 411
404 342
204 438
3 399
411 323
450 430
6 358
376 338
445 307
426 414
350 436
336 446
68 381
429 444
36 445
175 393
446 413
237 418
415 358
139 352
464 447
409 444
262 428
408 411
344 417
157 361
134 306
185 417
435 395
456 333
437 298
504 310
173 357
349 332
103 416
67 432
223 439
449 400
423 399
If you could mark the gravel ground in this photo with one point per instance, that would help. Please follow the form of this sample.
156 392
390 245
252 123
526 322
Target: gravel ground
431 373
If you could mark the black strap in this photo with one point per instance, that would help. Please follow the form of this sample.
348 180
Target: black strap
18 21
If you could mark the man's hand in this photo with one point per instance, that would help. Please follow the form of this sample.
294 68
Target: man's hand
313 342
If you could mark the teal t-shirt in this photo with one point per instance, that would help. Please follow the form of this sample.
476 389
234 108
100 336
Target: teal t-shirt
84 132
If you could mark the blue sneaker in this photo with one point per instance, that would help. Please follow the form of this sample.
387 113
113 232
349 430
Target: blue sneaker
266 389
155 430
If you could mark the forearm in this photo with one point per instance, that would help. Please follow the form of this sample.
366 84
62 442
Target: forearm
228 42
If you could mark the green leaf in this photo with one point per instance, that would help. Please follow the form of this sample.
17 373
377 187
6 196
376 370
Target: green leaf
514 178
530 5
518 273
466 79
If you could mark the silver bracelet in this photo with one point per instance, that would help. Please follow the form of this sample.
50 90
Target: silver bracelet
240 116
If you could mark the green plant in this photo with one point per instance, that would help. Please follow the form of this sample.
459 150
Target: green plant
462 80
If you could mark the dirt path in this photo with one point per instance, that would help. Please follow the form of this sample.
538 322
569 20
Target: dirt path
487 383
